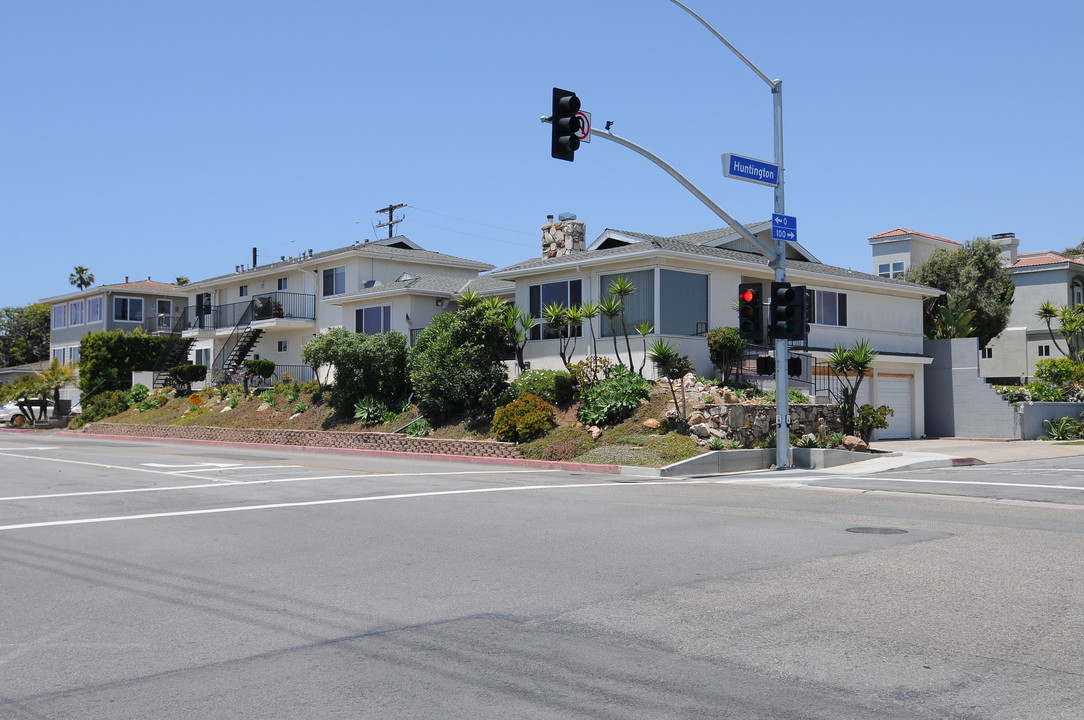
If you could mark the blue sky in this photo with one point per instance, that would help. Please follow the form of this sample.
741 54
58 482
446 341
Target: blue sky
167 138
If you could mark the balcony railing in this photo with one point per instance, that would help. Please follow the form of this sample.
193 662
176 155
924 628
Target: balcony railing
268 306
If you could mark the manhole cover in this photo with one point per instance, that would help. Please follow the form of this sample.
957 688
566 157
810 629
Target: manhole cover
876 530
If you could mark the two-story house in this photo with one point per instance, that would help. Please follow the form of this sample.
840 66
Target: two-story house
1038 276
688 284
271 310
147 304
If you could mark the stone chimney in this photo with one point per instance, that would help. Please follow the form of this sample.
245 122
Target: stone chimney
563 237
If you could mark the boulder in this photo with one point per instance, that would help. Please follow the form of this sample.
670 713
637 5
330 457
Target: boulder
652 424
855 444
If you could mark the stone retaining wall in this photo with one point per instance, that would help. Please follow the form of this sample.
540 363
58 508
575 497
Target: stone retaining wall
386 442
749 424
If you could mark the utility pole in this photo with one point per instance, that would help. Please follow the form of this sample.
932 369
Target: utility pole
390 224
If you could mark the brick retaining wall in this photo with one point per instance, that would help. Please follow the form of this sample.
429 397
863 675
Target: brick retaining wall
385 442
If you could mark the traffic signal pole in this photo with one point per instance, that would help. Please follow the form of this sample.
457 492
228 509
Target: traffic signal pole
779 252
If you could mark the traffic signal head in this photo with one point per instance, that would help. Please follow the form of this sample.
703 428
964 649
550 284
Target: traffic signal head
787 311
564 124
750 312
765 365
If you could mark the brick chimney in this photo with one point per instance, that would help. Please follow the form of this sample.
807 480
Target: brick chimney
563 237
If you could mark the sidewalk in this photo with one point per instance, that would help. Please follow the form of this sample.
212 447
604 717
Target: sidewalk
954 452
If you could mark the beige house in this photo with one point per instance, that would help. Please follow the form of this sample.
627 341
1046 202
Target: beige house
687 285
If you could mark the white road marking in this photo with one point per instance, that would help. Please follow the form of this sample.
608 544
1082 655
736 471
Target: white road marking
193 465
234 483
338 501
966 482
32 447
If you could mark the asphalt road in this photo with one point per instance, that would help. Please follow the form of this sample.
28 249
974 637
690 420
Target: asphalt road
173 580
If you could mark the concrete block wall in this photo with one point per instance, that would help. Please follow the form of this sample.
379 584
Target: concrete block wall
386 442
959 403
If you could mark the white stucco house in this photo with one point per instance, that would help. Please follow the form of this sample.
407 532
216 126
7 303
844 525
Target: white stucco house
687 284
271 310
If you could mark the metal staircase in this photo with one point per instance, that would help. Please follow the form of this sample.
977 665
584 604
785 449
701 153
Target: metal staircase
235 349
174 351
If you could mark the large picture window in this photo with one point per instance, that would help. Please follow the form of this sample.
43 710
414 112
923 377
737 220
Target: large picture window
373 320
335 281
683 303
639 306
128 309
828 308
566 293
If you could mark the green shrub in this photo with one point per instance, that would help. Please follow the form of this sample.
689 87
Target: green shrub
553 386
794 397
615 398
1064 428
137 394
523 419
370 411
726 348
871 418
107 359
590 371
1059 371
565 443
419 428
365 366
103 405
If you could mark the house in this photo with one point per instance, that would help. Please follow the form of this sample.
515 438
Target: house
1038 276
687 284
145 304
270 311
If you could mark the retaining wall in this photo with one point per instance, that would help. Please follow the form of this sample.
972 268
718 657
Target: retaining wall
386 442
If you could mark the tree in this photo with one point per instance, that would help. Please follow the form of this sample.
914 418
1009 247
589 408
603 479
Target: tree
182 280
850 366
972 275
107 359
24 334
457 363
610 307
1070 326
81 277
621 288
953 320
371 366
673 367
726 348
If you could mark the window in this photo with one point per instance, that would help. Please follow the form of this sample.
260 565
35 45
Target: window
58 354
128 309
639 306
75 313
373 320
243 291
683 303
828 308
60 317
1044 351
986 353
203 356
335 281
890 270
282 346
94 310
73 354
282 283
565 293
1078 293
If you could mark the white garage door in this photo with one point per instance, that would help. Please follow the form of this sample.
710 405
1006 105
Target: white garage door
896 393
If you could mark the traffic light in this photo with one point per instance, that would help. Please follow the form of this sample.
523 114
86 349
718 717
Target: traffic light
765 365
750 312
794 366
564 124
787 311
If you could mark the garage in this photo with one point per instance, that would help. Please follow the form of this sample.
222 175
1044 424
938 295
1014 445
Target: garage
897 392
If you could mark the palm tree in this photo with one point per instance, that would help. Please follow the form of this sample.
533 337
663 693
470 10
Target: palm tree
643 329
82 277
611 308
1047 312
621 287
673 367
562 321
590 311
850 366
468 299
181 280
518 324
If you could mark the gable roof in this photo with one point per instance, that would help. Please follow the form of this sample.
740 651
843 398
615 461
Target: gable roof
654 245
724 237
904 232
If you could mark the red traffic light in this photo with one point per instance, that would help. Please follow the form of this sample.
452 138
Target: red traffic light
746 295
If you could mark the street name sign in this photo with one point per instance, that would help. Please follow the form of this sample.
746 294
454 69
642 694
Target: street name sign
740 167
784 227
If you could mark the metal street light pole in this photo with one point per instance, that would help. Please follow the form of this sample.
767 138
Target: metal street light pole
782 384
